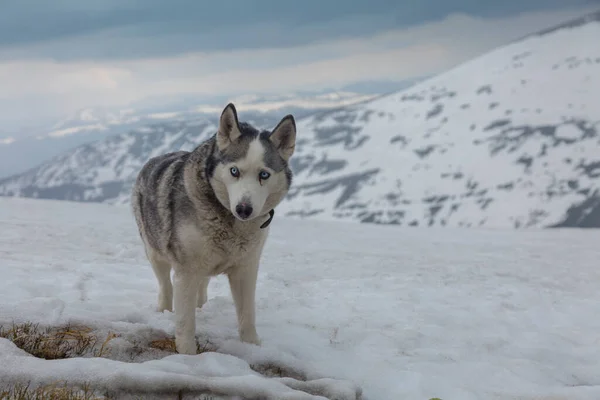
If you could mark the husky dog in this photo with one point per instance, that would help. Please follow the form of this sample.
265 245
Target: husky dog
206 212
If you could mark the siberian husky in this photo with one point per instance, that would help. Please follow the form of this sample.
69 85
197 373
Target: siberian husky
207 212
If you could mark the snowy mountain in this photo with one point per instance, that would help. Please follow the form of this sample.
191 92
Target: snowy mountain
24 151
182 109
104 171
509 139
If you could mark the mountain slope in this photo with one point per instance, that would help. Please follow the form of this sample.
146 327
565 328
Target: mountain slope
510 139
25 151
104 171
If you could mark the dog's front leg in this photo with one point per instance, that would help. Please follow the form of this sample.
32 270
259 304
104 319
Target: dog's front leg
202 291
242 281
185 284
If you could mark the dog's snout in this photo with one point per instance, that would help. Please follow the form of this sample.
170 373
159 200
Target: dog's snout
243 210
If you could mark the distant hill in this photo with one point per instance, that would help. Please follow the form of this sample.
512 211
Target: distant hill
509 139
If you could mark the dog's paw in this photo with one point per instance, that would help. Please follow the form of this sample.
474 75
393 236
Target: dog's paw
164 304
186 346
250 337
201 301
161 308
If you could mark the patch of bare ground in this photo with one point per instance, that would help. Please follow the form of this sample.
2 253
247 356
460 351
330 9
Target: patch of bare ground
50 392
76 340
52 343
272 370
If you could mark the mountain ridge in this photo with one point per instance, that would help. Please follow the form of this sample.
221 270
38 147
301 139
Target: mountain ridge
512 126
509 139
92 124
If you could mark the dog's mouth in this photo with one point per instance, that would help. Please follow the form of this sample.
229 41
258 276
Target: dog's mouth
267 217
239 218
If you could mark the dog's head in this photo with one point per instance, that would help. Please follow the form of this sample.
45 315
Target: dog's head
249 172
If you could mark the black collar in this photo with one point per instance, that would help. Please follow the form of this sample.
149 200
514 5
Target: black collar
268 222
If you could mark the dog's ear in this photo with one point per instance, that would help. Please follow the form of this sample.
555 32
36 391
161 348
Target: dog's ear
284 136
229 128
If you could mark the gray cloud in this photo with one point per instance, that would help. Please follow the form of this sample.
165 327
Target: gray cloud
112 29
113 55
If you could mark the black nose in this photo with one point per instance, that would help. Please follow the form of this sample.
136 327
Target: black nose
244 210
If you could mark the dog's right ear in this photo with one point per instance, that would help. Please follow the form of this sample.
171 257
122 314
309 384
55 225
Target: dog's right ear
284 137
229 128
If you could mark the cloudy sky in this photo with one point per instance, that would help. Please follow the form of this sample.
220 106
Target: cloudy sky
63 55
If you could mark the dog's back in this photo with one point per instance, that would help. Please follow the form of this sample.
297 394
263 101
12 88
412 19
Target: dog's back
159 187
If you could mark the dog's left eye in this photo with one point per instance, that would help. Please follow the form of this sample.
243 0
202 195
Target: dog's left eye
264 175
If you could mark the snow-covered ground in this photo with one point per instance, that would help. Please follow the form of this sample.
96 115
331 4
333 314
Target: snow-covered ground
400 313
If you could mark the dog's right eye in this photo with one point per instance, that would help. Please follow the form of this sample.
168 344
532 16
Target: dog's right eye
234 171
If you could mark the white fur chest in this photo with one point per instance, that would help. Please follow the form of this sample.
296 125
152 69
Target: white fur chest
216 248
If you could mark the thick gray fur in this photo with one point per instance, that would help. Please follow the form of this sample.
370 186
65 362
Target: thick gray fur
184 207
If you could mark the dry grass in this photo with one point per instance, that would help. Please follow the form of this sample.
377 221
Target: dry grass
56 343
168 344
272 370
49 392
72 340
165 344
266 369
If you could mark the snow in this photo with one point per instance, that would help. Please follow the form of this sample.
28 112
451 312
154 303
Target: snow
164 115
8 140
397 313
249 103
212 372
76 129
547 81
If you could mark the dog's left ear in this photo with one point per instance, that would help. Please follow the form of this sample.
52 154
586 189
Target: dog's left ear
229 128
284 136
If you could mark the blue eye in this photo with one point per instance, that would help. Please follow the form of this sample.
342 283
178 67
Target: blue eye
264 175
234 171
